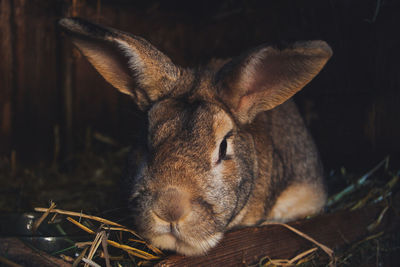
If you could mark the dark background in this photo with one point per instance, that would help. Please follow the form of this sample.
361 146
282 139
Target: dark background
352 107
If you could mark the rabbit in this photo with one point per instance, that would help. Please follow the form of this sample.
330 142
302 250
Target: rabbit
225 147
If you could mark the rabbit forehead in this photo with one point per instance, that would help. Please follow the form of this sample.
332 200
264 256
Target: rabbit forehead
222 124
179 118
184 137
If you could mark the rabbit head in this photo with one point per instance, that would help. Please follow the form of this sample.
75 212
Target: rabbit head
196 172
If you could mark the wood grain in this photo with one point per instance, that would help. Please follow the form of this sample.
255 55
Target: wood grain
249 245
6 76
18 252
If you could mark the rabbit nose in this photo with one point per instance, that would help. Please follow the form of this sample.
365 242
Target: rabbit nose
172 205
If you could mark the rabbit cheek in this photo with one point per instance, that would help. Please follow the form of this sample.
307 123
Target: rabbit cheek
242 177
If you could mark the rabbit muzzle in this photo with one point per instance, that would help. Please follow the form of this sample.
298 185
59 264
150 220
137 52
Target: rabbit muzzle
180 223
172 206
176 224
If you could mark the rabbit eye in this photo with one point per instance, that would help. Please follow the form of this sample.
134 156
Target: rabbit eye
222 150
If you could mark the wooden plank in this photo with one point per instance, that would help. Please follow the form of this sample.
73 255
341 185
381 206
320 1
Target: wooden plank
6 76
249 245
35 96
18 252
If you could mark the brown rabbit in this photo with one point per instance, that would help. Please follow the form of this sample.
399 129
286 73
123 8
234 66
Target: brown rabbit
225 148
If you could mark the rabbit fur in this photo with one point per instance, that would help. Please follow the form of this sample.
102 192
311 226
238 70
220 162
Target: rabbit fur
225 147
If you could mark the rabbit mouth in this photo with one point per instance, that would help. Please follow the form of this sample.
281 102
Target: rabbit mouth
184 245
193 234
185 239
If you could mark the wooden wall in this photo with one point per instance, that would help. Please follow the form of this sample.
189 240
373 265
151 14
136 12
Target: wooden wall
352 107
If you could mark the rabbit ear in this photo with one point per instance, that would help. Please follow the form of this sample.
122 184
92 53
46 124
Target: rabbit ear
128 62
266 76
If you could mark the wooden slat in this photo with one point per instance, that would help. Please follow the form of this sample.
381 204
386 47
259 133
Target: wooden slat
249 245
14 250
36 91
6 76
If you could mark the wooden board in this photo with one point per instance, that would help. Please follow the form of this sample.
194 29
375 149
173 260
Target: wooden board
249 245
351 106
14 251
6 76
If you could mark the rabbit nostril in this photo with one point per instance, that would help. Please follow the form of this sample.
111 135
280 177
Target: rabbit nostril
172 205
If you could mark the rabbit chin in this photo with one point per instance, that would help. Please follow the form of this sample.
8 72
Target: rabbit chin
188 248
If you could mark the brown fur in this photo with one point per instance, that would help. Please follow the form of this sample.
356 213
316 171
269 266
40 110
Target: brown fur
225 147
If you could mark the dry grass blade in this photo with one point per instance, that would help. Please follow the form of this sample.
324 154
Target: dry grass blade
377 194
322 246
375 224
154 249
44 215
84 228
53 218
361 203
66 258
133 251
137 241
366 239
90 262
121 229
302 255
392 182
306 259
105 249
81 215
95 246
80 257
83 244
351 188
282 263
285 262
95 218
105 139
